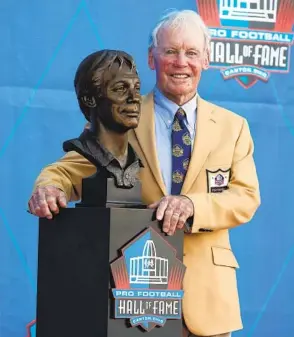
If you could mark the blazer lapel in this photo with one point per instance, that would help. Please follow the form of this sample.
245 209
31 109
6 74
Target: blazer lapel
145 133
207 134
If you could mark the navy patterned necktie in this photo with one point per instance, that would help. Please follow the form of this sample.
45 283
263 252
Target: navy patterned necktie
181 151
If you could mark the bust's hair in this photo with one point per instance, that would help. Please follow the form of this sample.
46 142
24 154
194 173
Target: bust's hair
101 60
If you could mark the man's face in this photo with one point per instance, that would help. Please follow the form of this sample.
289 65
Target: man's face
120 105
179 60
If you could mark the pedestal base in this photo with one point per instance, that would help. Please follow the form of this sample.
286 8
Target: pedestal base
74 280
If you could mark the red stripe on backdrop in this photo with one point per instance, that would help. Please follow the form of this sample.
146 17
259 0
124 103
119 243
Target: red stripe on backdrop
201 9
214 16
208 10
285 17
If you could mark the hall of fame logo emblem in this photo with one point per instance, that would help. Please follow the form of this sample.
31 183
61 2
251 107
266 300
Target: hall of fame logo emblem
217 181
148 278
250 39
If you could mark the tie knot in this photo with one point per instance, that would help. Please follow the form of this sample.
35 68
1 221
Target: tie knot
181 114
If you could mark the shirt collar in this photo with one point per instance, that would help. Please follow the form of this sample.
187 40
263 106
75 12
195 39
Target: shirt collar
92 149
168 108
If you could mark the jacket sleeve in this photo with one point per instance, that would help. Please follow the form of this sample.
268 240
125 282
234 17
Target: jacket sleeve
237 204
67 174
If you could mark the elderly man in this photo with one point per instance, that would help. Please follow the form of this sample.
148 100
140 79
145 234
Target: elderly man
198 165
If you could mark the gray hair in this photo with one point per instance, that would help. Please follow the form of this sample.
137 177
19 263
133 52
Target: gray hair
179 19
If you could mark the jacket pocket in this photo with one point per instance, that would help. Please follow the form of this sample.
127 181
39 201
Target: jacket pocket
224 257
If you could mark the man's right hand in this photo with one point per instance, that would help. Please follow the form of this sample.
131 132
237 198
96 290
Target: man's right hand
45 201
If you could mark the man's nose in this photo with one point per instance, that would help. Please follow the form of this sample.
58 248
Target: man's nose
134 96
181 60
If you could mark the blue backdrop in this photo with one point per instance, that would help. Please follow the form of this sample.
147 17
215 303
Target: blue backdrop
42 43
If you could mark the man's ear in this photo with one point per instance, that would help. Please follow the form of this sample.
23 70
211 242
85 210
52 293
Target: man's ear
206 59
151 59
89 101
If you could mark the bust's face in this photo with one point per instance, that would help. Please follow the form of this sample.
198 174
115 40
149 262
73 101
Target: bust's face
119 107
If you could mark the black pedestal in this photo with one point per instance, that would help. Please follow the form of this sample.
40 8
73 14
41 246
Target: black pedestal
76 249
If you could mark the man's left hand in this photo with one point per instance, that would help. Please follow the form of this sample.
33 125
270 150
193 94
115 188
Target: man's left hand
174 211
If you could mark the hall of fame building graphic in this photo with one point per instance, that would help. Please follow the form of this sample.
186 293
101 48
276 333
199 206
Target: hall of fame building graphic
250 39
148 278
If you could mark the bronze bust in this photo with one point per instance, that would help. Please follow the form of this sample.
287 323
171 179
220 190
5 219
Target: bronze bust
108 91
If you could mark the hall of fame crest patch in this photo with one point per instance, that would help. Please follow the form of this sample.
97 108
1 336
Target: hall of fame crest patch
217 181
